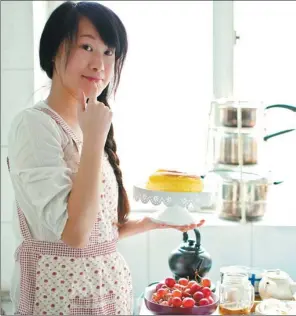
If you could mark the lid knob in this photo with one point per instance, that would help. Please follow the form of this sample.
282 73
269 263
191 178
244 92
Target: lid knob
191 242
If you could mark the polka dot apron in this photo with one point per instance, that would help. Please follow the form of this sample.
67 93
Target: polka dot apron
60 280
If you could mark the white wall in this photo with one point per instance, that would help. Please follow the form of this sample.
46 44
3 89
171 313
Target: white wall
267 246
21 26
17 86
41 82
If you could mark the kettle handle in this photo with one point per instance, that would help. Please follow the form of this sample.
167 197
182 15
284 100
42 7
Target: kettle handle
283 106
197 237
266 138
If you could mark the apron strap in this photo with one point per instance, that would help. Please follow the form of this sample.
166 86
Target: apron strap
63 124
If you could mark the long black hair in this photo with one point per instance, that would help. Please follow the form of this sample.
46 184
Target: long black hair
62 27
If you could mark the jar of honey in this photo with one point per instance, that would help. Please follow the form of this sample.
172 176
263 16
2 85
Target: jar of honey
236 294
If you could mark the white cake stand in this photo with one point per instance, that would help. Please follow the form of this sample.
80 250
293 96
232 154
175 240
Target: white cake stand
177 204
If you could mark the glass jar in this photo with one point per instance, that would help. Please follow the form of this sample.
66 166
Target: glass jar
228 148
236 294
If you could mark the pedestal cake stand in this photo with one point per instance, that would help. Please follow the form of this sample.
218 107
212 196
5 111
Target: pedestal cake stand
178 204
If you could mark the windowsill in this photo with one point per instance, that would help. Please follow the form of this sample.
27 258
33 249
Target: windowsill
213 220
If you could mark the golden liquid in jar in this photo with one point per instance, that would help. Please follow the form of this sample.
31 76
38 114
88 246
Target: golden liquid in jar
227 311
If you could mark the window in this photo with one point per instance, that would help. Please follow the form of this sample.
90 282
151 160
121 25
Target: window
161 109
264 69
265 64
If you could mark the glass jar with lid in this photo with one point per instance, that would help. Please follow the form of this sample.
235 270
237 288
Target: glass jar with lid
236 294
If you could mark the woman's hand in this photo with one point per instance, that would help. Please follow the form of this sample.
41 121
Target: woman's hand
137 226
94 117
150 225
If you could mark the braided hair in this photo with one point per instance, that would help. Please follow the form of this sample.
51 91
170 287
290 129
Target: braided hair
123 208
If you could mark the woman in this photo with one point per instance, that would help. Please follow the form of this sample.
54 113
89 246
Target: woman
72 205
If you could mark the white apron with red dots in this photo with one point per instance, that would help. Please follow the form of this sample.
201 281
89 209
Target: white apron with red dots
60 280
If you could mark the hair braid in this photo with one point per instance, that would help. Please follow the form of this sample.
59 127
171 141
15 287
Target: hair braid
123 208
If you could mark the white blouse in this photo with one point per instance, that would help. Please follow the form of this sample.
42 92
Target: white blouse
40 177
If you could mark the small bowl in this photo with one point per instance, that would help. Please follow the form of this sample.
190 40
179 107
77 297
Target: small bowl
168 310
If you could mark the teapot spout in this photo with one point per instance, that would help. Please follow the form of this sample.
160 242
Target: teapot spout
267 288
293 289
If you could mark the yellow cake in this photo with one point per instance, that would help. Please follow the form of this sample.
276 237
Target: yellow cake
174 181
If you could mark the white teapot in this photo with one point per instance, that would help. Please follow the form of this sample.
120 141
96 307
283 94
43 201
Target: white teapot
277 284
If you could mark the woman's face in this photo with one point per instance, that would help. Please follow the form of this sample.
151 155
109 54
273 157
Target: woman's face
90 62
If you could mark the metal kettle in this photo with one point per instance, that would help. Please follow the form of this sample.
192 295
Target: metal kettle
190 260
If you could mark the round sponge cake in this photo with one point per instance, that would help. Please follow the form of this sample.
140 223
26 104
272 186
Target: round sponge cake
174 181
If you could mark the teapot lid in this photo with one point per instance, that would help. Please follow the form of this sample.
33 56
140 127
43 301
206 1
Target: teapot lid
277 274
190 245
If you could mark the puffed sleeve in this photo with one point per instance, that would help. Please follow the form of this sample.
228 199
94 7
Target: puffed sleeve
40 177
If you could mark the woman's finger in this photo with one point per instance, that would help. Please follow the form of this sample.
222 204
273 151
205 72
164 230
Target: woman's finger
81 101
201 223
93 93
